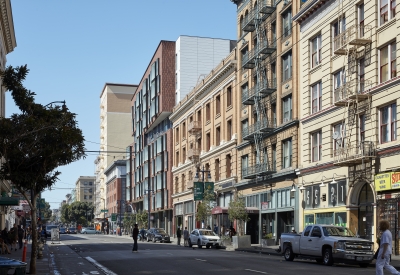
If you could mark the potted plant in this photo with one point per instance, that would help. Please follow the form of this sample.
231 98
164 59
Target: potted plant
268 240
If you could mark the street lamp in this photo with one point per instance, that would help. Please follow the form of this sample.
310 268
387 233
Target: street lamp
64 107
196 178
148 205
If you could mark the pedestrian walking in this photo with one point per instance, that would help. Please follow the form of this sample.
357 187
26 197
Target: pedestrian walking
385 250
185 237
14 237
20 236
135 234
215 229
179 235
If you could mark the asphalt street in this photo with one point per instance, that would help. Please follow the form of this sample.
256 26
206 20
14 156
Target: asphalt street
112 255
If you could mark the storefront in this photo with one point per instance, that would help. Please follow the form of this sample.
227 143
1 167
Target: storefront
184 215
388 205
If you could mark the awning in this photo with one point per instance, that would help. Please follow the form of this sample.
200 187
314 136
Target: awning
222 210
9 201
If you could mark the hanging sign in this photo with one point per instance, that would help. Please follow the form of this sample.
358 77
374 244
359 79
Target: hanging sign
198 190
383 181
395 179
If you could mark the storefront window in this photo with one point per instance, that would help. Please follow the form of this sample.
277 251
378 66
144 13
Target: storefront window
324 218
341 219
309 219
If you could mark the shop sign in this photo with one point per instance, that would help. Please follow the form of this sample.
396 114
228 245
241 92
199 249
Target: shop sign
395 180
312 196
383 182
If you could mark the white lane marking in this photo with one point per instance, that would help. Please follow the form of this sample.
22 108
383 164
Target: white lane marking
200 260
103 268
251 270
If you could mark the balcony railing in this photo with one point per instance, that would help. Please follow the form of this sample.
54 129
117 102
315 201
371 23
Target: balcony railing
340 43
194 127
248 61
353 89
248 24
354 153
267 7
259 127
261 90
193 153
267 47
260 169
359 35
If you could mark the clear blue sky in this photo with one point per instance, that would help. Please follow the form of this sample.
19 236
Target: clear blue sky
73 47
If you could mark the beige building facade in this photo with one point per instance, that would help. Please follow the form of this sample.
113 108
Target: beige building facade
115 115
205 131
84 187
268 140
349 95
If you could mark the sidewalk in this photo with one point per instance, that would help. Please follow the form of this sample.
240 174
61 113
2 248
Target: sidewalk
42 265
272 250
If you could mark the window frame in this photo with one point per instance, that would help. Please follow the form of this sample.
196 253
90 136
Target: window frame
316 136
361 127
287 73
316 54
287 23
390 126
287 149
339 128
316 102
287 114
386 12
390 64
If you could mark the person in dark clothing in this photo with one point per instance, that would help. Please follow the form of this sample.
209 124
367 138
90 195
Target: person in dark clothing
216 229
142 233
135 234
179 235
20 236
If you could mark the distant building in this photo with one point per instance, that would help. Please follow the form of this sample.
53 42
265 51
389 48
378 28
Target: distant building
84 188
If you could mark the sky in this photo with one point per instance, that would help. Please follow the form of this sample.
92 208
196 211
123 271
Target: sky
72 48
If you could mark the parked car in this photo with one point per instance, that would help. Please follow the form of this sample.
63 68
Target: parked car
204 237
157 234
71 230
48 229
63 230
327 244
88 230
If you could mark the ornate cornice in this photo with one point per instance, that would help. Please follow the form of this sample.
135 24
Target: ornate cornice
7 26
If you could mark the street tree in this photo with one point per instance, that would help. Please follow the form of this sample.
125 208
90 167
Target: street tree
34 143
237 211
142 219
46 211
205 207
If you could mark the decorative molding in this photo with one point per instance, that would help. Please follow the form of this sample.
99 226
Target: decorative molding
7 26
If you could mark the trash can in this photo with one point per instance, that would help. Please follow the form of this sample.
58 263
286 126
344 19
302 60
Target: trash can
7 264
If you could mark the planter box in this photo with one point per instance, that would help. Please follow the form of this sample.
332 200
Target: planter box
226 242
267 242
241 242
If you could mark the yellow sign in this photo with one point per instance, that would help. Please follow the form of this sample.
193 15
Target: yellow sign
383 181
395 178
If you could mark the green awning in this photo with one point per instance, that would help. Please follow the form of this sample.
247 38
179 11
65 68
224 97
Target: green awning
9 201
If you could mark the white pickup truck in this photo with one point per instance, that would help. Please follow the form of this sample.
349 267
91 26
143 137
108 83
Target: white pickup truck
327 244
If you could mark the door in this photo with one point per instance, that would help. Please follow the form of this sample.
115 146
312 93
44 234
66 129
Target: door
366 212
305 241
315 244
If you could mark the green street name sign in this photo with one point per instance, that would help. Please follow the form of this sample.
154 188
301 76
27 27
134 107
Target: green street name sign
198 190
114 217
104 210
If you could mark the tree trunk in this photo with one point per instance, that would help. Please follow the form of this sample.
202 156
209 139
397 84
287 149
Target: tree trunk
32 264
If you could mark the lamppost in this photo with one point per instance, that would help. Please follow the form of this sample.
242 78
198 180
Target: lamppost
121 202
64 107
148 205
196 178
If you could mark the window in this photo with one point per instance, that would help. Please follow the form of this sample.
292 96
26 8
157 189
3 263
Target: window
316 97
273 73
217 170
387 14
340 130
184 130
388 69
287 23
316 51
184 154
361 18
273 31
287 66
229 130
218 135
245 163
177 159
273 114
208 142
228 166
208 115
199 116
362 128
388 123
339 78
287 109
229 96
177 135
361 74
339 27
287 153
218 105
316 140
245 124
273 147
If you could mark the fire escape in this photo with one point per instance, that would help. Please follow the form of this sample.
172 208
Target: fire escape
353 96
259 95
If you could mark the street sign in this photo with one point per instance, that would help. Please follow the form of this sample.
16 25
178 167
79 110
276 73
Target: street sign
198 190
209 187
104 210
114 217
